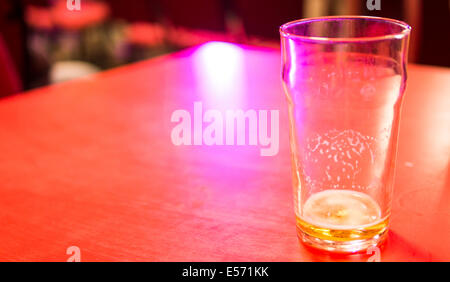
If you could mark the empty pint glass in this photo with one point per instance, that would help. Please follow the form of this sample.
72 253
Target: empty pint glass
344 79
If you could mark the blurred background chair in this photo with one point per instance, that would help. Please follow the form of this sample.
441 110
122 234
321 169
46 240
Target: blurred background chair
67 70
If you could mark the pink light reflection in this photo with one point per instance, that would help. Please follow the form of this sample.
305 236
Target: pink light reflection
219 70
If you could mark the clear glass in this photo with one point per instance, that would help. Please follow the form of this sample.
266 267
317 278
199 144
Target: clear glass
344 79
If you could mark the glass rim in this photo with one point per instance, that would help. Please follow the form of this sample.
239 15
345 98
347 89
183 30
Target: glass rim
405 30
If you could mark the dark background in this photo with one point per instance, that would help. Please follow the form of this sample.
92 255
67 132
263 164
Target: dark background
36 35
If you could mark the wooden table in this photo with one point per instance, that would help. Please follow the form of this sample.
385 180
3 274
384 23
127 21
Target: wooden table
90 163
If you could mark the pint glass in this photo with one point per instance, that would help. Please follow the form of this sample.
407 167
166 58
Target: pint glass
344 79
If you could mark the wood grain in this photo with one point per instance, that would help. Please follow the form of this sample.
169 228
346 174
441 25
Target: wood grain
90 163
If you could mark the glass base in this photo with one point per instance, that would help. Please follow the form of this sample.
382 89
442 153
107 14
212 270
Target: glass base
352 246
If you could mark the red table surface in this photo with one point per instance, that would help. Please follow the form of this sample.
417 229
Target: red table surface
90 163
